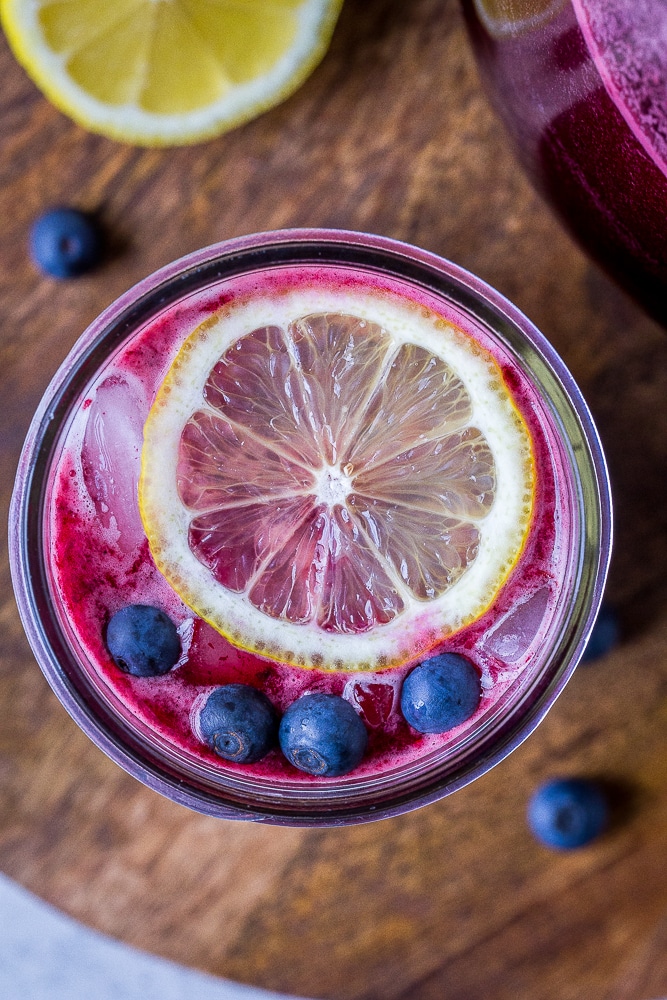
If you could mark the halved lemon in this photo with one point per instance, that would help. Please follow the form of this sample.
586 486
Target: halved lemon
167 72
335 478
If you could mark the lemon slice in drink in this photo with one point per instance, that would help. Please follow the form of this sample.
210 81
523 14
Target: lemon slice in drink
335 478
167 72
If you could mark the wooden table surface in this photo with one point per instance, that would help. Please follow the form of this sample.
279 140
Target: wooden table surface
392 134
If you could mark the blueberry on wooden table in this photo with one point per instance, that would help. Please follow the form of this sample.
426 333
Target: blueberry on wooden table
566 813
65 243
239 723
440 693
604 635
322 734
143 640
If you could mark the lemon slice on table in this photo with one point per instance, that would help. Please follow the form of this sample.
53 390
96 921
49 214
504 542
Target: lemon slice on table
335 479
504 18
167 72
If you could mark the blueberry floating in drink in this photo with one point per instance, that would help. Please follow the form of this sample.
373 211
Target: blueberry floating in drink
143 641
65 243
440 693
322 734
566 813
239 723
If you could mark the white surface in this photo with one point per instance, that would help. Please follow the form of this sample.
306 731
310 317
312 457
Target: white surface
45 955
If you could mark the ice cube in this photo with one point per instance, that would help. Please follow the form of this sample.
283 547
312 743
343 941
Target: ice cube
514 634
373 698
111 458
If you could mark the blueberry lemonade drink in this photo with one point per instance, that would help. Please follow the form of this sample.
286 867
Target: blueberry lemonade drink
311 527
582 87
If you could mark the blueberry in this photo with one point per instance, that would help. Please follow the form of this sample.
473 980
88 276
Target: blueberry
323 735
568 812
143 641
604 635
440 693
65 242
239 723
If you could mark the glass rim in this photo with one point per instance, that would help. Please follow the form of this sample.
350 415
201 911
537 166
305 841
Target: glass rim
162 290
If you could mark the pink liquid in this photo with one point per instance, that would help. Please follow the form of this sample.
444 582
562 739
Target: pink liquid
100 559
582 87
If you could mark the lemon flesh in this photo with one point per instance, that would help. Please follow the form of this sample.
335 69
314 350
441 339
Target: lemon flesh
166 72
335 479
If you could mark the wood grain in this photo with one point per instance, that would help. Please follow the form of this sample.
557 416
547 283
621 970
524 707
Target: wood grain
391 134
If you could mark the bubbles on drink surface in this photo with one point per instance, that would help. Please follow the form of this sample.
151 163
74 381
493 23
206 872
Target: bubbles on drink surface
629 44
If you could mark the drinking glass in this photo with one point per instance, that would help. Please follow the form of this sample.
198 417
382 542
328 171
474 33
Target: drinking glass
536 637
